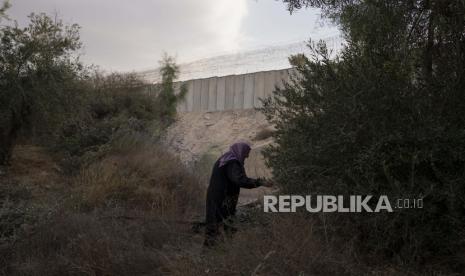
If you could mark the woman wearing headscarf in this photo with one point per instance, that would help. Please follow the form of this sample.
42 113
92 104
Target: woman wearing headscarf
228 177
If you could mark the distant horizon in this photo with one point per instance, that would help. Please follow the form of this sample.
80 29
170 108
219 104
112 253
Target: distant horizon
244 62
246 50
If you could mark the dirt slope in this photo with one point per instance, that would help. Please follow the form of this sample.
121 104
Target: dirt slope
196 135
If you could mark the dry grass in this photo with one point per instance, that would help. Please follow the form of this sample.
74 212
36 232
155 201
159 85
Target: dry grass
34 169
284 245
118 216
84 244
147 178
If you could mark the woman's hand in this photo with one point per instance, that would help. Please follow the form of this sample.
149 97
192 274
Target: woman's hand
267 182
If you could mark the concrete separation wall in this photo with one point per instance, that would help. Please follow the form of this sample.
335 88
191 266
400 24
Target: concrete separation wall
232 92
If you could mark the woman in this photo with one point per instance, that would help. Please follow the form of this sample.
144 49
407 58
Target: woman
228 177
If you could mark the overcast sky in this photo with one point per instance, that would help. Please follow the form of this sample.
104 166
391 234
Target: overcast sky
127 35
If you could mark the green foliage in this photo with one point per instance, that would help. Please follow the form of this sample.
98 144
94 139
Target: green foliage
47 95
167 98
386 117
114 107
38 71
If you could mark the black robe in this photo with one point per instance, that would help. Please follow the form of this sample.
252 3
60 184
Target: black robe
224 188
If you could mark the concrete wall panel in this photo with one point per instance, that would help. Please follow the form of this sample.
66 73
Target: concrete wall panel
182 104
204 94
249 90
190 96
220 93
259 88
229 93
270 82
212 94
281 77
238 92
197 96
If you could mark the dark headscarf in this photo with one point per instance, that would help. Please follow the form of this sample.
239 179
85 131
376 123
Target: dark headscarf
237 151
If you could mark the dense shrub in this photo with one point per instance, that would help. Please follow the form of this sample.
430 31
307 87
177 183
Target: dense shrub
384 118
111 107
38 75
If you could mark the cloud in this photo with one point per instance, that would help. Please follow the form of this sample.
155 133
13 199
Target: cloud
126 35
133 35
226 21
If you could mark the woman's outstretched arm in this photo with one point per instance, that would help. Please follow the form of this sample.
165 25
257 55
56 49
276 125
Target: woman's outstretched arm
236 173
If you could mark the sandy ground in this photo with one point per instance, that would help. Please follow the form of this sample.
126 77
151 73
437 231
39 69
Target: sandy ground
196 135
